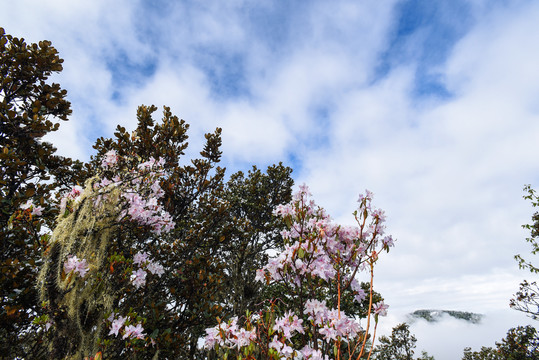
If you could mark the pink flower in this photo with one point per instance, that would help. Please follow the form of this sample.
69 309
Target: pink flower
288 324
63 204
275 343
329 333
312 354
48 325
213 336
111 317
82 268
138 278
380 308
134 332
27 205
105 182
244 337
260 275
368 196
156 189
360 296
155 268
152 163
140 258
116 325
110 159
76 191
388 241
78 266
70 264
37 211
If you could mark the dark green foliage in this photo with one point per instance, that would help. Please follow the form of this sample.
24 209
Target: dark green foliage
486 353
187 299
252 199
425 356
520 343
399 346
222 230
30 108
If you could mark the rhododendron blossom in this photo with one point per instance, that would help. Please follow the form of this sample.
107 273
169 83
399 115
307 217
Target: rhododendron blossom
317 254
110 159
74 264
155 268
312 354
288 324
380 308
117 325
141 190
236 337
134 332
138 278
27 204
140 258
36 210
73 195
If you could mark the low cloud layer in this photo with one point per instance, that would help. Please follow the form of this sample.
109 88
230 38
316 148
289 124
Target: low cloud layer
447 338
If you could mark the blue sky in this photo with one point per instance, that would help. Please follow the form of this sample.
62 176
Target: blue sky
433 105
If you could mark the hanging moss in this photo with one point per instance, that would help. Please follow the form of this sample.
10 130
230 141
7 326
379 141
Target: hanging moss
87 233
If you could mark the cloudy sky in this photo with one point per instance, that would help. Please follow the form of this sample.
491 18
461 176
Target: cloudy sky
432 105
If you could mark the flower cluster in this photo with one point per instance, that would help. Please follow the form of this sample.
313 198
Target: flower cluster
142 259
319 257
110 159
77 266
317 247
148 212
35 209
130 331
73 195
142 190
380 308
234 336
331 323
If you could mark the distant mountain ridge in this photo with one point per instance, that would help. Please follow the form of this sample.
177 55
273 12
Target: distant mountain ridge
436 315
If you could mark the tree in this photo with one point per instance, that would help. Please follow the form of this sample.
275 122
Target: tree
526 299
183 301
486 353
425 356
520 343
399 346
252 199
30 108
315 271
213 223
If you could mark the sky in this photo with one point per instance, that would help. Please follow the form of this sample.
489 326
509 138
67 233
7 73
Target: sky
432 105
